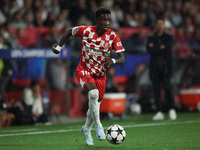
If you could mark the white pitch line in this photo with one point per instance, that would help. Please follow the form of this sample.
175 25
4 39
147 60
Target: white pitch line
125 126
19 130
161 124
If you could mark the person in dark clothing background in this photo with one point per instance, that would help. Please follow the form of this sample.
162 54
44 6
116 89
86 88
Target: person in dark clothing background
159 46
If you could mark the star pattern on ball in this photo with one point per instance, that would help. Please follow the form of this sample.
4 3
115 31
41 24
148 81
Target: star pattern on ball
120 131
114 140
115 134
109 131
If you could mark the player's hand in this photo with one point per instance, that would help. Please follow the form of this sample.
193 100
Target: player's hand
108 61
54 49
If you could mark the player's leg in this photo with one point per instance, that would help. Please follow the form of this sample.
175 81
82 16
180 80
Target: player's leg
89 121
83 78
93 96
100 83
86 129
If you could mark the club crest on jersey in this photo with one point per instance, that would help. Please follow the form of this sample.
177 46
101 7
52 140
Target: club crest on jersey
106 45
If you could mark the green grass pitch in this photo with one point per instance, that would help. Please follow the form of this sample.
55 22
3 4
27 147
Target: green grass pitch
142 134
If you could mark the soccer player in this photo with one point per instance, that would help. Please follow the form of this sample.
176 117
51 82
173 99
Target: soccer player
97 43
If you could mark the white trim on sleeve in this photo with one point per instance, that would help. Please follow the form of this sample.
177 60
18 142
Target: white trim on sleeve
121 50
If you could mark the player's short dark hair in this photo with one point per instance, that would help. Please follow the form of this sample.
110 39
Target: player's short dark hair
100 11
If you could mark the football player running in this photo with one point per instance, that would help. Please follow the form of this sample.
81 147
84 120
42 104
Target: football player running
97 43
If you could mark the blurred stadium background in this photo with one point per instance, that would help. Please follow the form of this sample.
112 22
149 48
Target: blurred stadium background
28 28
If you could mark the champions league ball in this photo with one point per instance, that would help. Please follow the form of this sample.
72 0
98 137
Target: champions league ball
115 134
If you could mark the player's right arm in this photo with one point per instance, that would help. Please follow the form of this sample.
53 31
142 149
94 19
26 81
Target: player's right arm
56 48
75 31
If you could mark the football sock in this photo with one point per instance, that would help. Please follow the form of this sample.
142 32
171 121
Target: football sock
93 96
89 121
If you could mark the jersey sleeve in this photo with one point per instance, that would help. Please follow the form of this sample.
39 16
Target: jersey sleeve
117 45
77 31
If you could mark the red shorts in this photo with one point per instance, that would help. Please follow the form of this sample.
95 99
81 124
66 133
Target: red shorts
84 77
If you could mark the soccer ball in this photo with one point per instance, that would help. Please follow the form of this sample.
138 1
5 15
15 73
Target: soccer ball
115 134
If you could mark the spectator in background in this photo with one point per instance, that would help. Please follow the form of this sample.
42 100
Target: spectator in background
4 12
132 88
28 110
92 5
23 38
63 19
167 21
31 104
142 20
134 78
13 7
136 42
80 15
57 75
191 75
127 22
51 19
159 46
36 5
7 118
110 83
168 7
38 21
17 21
54 7
27 6
136 17
118 13
9 36
176 16
5 71
44 9
144 7
27 19
53 36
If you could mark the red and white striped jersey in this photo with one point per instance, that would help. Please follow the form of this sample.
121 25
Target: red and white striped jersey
95 48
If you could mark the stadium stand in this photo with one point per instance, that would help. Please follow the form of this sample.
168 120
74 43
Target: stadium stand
35 24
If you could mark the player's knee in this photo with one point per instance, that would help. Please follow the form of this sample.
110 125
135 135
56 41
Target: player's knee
93 94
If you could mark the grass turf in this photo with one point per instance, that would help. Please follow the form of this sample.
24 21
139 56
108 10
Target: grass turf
142 134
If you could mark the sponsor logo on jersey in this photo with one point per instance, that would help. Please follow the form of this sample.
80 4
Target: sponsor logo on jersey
119 44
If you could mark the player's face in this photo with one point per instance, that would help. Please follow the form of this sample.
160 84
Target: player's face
104 22
160 26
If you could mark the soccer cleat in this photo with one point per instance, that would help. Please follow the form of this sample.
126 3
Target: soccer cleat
172 114
88 137
100 132
159 116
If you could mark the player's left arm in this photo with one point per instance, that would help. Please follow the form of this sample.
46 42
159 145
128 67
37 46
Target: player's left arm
119 60
119 49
